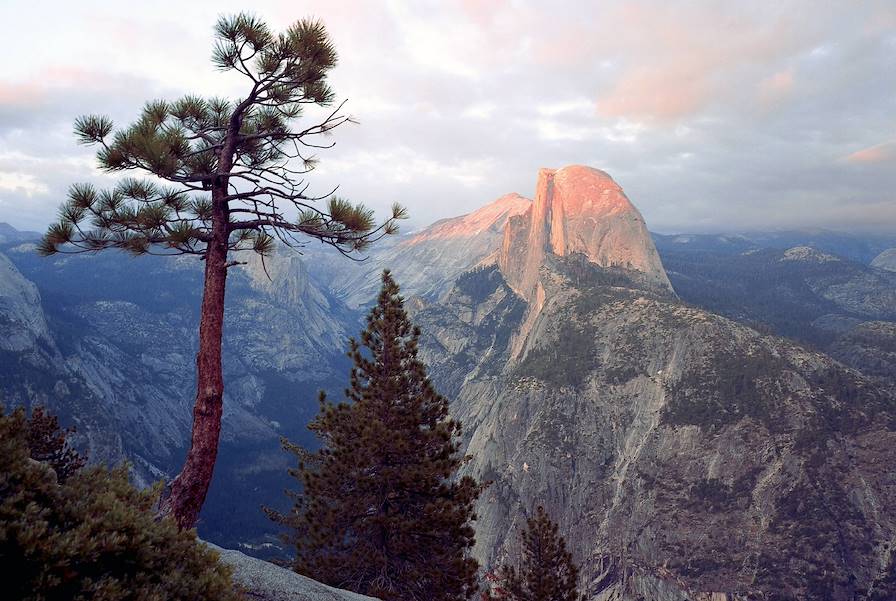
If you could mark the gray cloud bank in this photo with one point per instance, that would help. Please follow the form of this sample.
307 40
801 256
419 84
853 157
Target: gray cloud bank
712 117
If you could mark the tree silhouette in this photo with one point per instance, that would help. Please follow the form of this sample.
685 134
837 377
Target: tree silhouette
234 179
380 511
546 571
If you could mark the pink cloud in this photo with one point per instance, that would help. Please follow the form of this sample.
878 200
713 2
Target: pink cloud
644 93
882 19
775 88
675 62
20 94
483 12
879 153
45 82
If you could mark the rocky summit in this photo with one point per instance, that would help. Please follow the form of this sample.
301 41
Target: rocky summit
577 210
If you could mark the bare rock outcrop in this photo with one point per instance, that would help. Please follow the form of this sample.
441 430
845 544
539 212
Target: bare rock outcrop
264 581
578 210
885 260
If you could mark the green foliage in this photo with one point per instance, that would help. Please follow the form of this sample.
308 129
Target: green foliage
382 512
546 571
569 361
480 283
725 388
91 535
711 494
233 165
48 443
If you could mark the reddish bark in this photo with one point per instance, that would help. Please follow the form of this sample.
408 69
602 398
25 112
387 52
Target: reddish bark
188 490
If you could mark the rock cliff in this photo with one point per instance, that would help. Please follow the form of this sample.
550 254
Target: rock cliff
684 455
681 452
577 210
23 322
885 260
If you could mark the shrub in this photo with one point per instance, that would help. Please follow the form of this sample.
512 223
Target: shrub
93 535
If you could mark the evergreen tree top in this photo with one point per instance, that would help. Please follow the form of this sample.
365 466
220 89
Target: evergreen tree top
546 569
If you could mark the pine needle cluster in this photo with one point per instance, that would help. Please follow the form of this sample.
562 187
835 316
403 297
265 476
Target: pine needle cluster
48 443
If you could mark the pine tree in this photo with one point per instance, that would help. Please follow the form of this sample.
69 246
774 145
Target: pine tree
48 443
381 512
234 172
547 571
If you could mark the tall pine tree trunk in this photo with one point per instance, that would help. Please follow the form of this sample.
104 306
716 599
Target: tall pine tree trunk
189 488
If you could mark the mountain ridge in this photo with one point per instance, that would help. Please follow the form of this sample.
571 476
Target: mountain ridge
654 431
634 419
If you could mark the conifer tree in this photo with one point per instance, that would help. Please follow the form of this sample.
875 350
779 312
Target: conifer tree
546 571
381 512
48 443
234 180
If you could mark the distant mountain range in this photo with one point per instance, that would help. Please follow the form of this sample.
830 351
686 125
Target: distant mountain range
702 414
862 247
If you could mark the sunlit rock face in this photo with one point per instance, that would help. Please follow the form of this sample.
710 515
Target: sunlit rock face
578 210
492 216
425 262
431 259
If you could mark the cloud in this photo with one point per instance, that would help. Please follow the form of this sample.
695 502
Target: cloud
711 115
878 153
19 95
11 181
775 88
674 61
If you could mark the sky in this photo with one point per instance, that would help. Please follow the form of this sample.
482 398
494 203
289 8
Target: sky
712 116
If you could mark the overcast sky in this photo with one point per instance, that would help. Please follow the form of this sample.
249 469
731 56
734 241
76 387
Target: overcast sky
712 118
